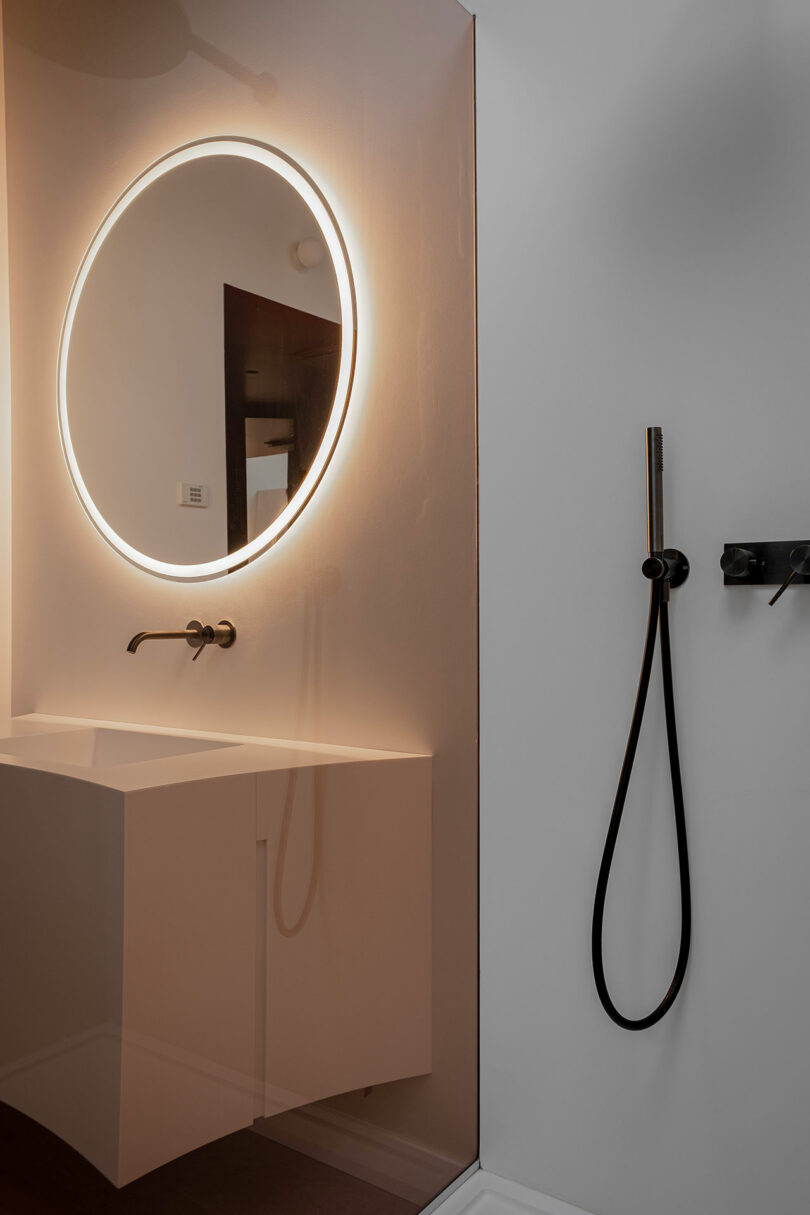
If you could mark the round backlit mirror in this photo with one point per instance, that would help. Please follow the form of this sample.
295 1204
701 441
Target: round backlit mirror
206 358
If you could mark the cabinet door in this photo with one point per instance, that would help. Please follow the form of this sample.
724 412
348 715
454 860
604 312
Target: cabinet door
344 928
188 1044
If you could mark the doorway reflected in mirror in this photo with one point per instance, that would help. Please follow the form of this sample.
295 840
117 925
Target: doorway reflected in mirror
281 368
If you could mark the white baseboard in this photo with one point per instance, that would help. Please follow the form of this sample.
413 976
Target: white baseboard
486 1194
377 1156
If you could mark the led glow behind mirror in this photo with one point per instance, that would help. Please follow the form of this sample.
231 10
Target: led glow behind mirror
204 369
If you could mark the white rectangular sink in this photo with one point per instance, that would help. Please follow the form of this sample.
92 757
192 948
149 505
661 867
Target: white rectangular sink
97 747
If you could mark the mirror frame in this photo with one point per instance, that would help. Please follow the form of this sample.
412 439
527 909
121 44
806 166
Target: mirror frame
294 175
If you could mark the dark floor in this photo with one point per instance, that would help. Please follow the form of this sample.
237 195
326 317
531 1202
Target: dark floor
242 1174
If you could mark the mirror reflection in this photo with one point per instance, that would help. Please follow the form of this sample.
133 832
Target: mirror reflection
203 360
280 376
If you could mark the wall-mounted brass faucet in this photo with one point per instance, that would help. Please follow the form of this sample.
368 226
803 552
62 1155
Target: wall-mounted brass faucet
197 635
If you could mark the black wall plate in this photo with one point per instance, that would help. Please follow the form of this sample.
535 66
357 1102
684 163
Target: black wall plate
772 563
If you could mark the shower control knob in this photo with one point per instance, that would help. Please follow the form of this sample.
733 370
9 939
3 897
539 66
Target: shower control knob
654 568
670 567
799 561
738 562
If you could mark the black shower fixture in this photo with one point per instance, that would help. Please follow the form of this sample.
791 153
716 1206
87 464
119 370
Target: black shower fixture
781 563
666 568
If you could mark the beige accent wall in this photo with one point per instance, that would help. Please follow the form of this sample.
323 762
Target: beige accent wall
360 626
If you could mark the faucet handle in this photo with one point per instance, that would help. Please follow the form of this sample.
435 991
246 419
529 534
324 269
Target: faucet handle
197 640
738 562
799 564
222 634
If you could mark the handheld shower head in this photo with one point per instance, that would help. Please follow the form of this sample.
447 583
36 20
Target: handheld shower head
655 491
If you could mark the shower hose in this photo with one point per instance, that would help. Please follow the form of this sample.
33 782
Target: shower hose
658 619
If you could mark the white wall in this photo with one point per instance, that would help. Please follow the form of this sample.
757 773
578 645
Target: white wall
5 426
644 238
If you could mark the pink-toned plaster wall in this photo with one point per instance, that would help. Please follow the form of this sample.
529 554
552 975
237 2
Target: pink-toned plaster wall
360 625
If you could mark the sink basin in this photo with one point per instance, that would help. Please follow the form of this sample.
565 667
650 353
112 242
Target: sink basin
102 748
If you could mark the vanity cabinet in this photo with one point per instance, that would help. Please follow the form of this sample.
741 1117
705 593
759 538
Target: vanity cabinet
165 988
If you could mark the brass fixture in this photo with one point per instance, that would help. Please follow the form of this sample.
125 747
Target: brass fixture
197 635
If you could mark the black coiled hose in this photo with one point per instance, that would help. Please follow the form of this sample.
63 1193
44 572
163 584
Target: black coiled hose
659 614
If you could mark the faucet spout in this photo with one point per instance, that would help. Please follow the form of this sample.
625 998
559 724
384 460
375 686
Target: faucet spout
193 635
